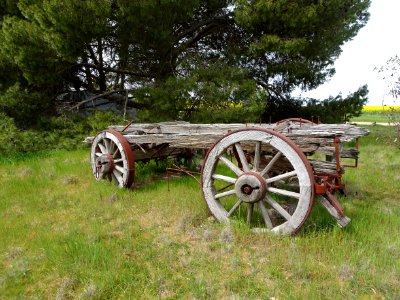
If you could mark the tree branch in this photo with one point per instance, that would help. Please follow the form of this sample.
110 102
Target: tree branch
96 97
113 70
200 24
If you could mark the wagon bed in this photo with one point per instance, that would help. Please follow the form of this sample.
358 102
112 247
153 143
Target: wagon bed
259 164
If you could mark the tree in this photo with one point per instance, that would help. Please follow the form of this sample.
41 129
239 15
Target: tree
176 58
391 73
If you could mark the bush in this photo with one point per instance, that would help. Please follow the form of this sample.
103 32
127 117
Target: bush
54 133
8 134
331 110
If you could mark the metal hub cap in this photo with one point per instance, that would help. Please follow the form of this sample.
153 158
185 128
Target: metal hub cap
250 187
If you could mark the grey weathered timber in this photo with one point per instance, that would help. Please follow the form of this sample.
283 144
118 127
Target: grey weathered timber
159 140
180 134
267 172
347 132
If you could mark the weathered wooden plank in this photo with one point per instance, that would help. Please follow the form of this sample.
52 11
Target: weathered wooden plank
159 140
204 141
346 131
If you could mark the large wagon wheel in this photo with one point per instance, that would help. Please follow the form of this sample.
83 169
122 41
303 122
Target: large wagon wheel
112 158
233 188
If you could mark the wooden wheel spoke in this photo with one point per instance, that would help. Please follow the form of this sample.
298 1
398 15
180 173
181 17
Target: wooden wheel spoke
283 192
103 148
107 145
225 194
257 157
281 176
224 178
118 176
278 207
98 154
118 160
120 169
271 163
237 204
113 178
265 215
242 157
231 165
250 209
112 147
225 187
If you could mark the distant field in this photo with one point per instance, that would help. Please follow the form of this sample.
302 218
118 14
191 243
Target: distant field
375 113
379 108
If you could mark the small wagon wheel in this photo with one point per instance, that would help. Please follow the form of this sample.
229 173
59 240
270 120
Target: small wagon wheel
233 189
112 158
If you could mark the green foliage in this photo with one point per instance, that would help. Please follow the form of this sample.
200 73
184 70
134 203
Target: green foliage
8 133
23 105
178 59
338 109
99 120
53 133
296 42
332 110
218 93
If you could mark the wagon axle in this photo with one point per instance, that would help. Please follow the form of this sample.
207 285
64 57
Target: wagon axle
250 187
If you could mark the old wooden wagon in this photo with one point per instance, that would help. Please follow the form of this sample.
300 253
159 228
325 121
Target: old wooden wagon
267 174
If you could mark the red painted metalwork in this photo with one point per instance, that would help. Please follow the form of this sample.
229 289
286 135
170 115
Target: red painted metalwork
334 202
299 120
356 159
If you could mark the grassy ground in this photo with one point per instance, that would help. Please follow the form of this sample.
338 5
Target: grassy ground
379 114
63 236
378 117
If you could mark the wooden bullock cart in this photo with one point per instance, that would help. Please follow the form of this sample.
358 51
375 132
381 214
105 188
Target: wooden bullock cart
268 174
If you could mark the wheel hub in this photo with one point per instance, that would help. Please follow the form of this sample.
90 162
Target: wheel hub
250 187
104 165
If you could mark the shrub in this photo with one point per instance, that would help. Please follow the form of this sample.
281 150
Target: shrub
53 133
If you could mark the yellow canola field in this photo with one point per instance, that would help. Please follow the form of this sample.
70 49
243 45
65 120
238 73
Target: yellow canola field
377 108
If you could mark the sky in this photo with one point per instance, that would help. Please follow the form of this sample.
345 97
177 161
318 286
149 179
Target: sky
374 44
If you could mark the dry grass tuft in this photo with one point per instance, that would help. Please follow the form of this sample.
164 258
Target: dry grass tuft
111 199
25 172
71 180
66 288
14 252
90 292
226 235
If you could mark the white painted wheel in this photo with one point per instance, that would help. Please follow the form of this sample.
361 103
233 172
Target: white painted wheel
256 183
112 158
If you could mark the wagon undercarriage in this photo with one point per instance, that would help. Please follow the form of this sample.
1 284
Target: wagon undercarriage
267 174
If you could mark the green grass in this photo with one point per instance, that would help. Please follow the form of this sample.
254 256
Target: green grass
65 236
377 116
